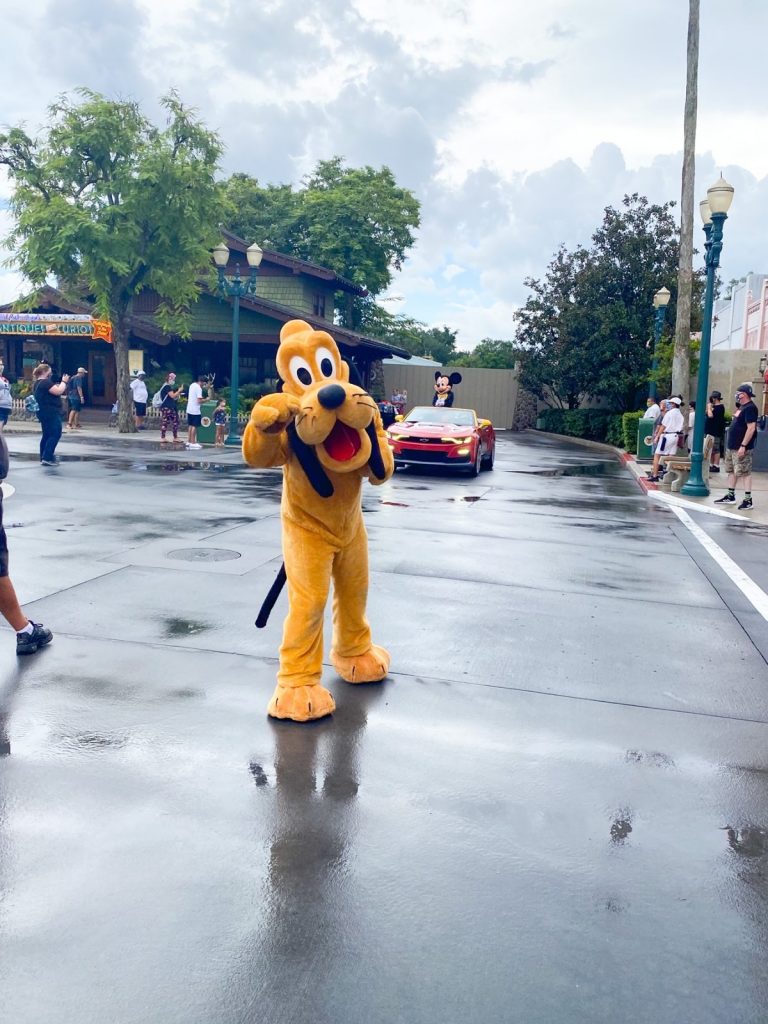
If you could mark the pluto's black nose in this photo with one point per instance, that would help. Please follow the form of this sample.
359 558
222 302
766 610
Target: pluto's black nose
331 396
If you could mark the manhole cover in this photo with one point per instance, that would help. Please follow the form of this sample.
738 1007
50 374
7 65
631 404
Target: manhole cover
203 554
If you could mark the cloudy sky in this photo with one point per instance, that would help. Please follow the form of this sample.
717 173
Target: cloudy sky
514 123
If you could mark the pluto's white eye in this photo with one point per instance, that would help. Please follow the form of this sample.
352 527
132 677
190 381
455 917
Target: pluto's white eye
326 362
300 371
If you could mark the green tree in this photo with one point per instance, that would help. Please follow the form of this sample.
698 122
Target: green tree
109 205
356 220
584 331
489 354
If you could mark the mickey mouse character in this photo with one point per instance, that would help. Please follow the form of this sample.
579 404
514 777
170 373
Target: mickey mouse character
444 388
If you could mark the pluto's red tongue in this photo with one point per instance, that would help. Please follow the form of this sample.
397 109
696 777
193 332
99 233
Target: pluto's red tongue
343 443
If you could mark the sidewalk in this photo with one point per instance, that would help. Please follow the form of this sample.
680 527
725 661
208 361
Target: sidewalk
717 485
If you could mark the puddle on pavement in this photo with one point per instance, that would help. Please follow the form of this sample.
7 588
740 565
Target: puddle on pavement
94 740
184 627
652 757
397 504
585 469
749 841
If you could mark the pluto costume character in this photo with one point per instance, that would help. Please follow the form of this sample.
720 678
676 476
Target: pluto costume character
327 435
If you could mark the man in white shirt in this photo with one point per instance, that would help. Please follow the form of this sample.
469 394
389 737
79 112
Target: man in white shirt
194 414
653 411
667 435
140 396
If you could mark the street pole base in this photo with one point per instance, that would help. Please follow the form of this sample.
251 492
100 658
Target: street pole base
695 489
233 441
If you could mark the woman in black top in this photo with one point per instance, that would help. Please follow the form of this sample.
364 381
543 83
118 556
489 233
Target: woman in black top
48 398
169 409
714 430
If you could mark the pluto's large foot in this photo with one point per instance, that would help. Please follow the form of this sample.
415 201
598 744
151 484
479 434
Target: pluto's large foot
301 703
370 667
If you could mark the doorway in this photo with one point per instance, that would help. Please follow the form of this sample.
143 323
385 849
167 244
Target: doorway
102 388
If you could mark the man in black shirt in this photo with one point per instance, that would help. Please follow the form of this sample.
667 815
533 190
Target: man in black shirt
714 431
738 450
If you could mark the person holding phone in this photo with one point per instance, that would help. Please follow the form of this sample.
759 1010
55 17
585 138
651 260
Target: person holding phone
48 398
169 408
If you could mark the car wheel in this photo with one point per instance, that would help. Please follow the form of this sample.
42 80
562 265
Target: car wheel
476 466
488 463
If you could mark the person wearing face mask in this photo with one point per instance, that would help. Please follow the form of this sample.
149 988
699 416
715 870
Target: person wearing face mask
740 442
6 401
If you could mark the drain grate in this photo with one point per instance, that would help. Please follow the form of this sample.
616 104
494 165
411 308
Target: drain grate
203 555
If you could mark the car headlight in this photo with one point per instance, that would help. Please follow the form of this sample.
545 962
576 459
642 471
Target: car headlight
456 440
398 437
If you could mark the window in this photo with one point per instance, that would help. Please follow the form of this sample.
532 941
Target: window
318 304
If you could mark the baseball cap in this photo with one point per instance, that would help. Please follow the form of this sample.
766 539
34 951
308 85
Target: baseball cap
140 373
675 400
747 389
81 369
715 394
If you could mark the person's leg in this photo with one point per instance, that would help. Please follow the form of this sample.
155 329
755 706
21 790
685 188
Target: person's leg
164 419
41 420
54 435
354 656
10 608
175 424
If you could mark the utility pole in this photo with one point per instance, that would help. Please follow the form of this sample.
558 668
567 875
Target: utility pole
681 360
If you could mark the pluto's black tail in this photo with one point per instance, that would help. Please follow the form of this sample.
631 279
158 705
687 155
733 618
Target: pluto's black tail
272 596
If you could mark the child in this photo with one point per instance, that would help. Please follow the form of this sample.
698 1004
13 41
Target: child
220 420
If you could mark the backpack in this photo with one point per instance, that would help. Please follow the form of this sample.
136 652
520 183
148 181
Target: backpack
157 398
31 405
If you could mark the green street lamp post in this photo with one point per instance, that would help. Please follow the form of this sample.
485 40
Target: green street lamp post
660 302
714 212
235 288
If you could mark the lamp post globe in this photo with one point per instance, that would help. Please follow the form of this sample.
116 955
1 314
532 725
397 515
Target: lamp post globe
236 288
714 213
660 302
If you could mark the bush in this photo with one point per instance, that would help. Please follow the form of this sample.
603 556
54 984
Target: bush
629 422
591 424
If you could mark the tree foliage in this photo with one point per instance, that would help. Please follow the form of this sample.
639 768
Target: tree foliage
489 354
438 343
109 205
586 329
356 220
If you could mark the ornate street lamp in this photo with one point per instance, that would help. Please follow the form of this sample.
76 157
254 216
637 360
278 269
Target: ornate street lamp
235 288
714 212
660 303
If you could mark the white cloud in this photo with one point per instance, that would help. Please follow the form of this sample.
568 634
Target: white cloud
515 124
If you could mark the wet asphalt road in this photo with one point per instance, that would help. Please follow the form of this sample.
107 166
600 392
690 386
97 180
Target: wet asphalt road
555 810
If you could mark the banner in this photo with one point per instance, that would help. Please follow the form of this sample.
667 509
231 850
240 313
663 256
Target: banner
55 325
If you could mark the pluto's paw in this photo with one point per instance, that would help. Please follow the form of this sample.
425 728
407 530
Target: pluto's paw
301 703
370 667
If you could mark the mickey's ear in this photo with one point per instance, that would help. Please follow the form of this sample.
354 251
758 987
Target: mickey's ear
438 375
455 378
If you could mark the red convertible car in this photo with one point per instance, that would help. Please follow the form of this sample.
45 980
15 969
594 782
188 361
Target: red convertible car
434 436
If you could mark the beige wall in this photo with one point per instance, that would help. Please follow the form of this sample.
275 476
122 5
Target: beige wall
492 394
731 367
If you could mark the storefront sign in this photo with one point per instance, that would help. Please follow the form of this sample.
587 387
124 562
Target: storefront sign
61 325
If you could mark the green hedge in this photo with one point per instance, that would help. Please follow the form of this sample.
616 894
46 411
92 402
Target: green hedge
629 423
592 424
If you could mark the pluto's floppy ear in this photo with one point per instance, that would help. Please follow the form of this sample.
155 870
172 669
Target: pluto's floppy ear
354 376
310 463
376 462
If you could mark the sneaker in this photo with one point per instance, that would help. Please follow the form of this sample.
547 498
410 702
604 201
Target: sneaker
47 462
194 446
714 469
727 499
746 504
653 479
28 643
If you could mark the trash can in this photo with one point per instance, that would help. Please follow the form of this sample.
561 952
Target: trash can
645 430
206 432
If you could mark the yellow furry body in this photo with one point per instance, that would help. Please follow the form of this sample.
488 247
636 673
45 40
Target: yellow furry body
324 538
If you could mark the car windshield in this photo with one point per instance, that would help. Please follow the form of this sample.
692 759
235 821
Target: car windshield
435 414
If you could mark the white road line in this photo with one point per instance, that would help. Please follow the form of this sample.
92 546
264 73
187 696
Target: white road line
754 594
671 499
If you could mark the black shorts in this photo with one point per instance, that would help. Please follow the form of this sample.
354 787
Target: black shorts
75 405
3 543
4 414
140 408
194 421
